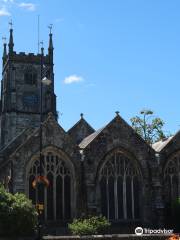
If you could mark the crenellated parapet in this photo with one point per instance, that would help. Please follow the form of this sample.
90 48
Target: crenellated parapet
23 57
28 58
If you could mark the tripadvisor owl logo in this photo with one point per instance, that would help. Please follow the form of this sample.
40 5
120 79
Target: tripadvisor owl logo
139 231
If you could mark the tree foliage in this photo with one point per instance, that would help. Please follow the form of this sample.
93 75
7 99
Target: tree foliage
150 128
89 226
18 217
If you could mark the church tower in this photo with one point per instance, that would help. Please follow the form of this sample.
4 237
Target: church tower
21 89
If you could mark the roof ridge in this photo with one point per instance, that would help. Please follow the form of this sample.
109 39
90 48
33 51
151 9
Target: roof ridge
80 120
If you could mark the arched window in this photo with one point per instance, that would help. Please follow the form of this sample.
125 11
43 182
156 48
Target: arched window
120 187
172 180
57 197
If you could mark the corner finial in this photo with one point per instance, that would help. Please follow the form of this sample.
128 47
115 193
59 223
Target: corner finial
50 115
50 48
4 40
10 24
42 47
117 113
11 42
5 50
81 115
50 28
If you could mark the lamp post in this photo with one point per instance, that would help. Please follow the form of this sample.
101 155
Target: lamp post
83 191
41 180
44 81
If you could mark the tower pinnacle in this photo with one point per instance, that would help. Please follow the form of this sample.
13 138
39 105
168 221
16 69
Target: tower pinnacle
5 49
50 48
42 47
11 42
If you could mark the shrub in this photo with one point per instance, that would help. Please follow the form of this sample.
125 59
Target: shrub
89 226
18 217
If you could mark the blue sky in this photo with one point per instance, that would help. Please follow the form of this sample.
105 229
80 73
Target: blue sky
109 55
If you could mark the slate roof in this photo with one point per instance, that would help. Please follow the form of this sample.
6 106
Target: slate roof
15 143
158 146
86 141
17 140
22 138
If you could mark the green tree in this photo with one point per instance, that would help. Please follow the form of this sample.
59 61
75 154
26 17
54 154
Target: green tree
150 128
18 217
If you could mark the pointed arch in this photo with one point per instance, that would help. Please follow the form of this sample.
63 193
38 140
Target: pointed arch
171 181
119 180
59 198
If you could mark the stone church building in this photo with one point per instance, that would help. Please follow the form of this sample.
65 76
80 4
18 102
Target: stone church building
110 171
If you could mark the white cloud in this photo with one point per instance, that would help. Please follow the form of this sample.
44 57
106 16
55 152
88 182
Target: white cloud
4 12
73 79
28 6
8 1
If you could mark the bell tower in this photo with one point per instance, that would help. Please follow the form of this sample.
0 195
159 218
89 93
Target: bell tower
20 89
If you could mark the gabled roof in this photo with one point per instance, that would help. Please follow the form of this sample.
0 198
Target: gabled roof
28 134
121 122
51 119
16 141
86 141
80 130
158 146
14 144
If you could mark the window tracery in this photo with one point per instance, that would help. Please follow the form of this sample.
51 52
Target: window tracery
57 197
120 187
172 179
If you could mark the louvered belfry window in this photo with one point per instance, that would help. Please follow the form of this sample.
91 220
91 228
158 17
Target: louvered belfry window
120 187
57 197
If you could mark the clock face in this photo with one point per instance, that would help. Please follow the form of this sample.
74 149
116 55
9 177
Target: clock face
30 100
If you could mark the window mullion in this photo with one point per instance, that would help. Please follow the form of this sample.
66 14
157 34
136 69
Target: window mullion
132 195
171 188
124 197
107 192
63 202
115 198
